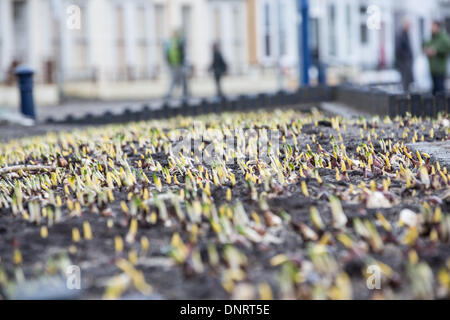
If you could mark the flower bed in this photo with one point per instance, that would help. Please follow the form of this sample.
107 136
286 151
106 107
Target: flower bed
265 205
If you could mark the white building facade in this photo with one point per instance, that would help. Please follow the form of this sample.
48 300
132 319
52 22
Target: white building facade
362 33
117 39
122 40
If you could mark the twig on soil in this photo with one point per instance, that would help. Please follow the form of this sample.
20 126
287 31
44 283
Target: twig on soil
12 169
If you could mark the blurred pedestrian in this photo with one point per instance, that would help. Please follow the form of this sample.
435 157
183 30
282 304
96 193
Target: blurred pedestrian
175 55
404 56
218 67
321 72
437 50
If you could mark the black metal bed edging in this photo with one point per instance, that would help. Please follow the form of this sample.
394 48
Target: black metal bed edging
307 95
382 103
366 99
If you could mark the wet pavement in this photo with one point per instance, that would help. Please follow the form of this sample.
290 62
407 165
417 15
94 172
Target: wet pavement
439 151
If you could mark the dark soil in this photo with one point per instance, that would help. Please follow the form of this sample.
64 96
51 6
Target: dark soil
246 267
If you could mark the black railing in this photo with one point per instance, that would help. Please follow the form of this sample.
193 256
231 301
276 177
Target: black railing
367 100
380 102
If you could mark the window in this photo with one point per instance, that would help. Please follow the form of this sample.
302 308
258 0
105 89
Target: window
187 31
447 24
56 35
314 37
141 42
267 26
1 58
348 19
421 30
237 38
1 50
332 29
364 33
79 39
161 35
283 29
120 43
19 9
217 26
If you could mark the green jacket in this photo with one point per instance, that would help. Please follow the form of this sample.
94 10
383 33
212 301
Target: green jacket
175 52
438 63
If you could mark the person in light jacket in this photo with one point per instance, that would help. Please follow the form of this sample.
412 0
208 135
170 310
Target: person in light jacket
175 56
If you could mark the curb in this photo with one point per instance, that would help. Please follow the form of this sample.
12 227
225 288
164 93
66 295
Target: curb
206 106
365 100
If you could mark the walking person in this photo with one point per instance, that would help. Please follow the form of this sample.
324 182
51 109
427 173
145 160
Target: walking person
219 68
175 55
437 51
404 56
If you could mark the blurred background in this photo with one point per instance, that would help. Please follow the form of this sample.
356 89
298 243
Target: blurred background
114 50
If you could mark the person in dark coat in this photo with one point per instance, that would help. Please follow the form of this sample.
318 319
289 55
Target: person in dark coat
404 56
218 67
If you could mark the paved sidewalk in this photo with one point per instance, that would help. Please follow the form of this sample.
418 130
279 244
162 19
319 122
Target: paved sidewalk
80 108
342 110
439 151
13 116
